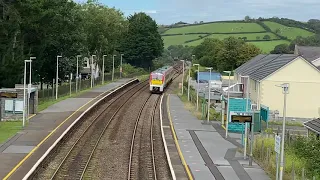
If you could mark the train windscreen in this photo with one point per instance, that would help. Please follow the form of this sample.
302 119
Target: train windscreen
156 79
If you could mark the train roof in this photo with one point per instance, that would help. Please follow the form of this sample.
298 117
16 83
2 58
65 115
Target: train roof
162 69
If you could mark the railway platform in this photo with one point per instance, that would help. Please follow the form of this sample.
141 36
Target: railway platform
22 151
206 152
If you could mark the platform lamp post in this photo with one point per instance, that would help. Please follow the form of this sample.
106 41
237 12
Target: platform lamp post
228 106
247 109
121 66
24 92
92 70
285 87
57 75
29 86
189 80
209 92
182 76
77 75
197 85
113 66
103 68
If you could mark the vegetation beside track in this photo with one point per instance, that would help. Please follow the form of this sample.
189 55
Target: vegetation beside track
8 129
301 155
288 123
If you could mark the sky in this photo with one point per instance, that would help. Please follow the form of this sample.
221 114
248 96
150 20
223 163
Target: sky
172 11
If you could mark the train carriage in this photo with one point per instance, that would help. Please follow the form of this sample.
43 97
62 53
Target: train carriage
160 78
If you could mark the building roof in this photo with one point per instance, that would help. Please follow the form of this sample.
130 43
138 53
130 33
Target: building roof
262 66
206 76
310 53
313 125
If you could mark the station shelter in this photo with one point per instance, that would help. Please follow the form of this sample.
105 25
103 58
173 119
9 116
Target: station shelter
11 102
238 107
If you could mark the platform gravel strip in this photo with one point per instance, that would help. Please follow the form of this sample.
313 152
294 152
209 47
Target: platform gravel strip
236 166
205 156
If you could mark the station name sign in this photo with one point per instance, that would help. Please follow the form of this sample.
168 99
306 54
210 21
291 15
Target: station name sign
241 118
8 95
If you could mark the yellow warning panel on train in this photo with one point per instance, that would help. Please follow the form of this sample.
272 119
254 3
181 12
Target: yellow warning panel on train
156 82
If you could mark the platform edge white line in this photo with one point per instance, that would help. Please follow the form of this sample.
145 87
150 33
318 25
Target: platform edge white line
165 143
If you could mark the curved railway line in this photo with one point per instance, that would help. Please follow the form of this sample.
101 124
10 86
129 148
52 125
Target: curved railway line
142 159
72 159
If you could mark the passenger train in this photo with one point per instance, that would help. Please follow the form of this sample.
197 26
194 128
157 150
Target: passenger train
160 78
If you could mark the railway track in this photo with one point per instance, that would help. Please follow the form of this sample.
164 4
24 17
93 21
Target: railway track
142 157
76 159
143 161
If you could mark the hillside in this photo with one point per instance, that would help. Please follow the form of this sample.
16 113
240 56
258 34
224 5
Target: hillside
264 34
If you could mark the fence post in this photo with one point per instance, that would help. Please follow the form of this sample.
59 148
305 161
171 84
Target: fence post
262 149
269 155
53 88
70 79
293 173
302 174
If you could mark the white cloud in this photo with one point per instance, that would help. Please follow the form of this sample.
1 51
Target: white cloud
150 11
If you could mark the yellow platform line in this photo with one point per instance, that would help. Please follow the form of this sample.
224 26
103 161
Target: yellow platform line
35 148
31 116
176 141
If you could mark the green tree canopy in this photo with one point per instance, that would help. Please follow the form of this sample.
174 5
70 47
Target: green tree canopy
142 43
225 54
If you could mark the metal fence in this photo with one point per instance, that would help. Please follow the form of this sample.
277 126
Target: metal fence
203 104
265 155
69 88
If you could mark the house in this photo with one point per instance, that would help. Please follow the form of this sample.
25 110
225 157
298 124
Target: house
310 53
313 127
267 71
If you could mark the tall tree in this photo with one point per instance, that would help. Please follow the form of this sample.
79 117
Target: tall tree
227 54
142 43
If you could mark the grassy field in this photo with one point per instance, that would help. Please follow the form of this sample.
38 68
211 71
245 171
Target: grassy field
176 40
218 28
238 29
267 46
290 32
8 129
252 36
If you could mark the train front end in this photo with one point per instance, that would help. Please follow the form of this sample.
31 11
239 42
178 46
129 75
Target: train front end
157 82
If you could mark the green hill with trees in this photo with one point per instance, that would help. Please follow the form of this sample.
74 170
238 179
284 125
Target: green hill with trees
266 34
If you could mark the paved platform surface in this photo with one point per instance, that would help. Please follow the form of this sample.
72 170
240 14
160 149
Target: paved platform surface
20 145
208 154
